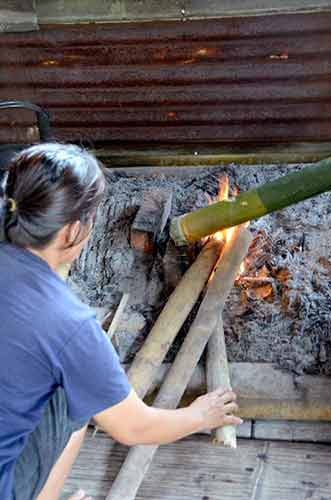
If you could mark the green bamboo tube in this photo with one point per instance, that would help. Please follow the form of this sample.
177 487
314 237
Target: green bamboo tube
267 198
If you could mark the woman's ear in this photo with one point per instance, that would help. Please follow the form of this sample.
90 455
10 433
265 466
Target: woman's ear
71 239
72 233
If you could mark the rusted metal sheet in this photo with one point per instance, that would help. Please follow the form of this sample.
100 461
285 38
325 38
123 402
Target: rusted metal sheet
251 80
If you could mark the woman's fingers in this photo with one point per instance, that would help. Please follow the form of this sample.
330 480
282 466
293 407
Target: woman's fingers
232 420
226 396
217 408
231 408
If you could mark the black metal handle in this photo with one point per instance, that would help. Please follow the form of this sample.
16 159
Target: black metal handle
43 120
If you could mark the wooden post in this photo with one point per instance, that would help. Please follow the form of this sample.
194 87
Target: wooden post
218 376
148 360
280 193
139 458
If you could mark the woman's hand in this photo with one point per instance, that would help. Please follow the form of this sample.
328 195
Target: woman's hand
133 422
216 409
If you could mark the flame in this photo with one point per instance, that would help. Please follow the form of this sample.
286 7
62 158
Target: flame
223 194
223 188
218 236
227 234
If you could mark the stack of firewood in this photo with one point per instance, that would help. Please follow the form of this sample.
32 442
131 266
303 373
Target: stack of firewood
215 270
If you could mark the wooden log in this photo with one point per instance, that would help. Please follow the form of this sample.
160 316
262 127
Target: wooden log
117 317
140 457
148 360
280 193
218 376
150 219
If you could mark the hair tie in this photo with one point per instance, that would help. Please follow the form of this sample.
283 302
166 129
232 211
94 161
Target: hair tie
12 205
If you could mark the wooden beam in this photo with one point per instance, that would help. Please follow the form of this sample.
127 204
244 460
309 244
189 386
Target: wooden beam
17 15
266 392
319 432
71 11
202 157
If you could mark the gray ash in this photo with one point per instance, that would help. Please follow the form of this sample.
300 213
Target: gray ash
279 310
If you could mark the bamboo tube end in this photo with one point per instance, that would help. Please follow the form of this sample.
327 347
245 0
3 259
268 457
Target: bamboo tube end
176 231
229 436
226 436
226 443
231 444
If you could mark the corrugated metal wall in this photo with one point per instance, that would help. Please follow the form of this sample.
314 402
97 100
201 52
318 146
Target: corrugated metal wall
252 80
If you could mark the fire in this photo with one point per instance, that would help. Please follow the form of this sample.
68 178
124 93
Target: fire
218 236
223 194
223 188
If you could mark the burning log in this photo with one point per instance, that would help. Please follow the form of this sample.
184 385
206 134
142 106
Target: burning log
150 219
139 458
218 376
148 360
269 197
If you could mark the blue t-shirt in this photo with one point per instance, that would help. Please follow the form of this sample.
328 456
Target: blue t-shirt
48 338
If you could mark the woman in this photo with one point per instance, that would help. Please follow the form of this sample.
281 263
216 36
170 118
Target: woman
57 367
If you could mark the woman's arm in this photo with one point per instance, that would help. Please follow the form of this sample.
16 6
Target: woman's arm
132 422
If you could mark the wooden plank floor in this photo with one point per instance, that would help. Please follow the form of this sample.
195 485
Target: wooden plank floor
194 469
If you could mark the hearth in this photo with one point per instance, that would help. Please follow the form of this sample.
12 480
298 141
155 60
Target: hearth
279 309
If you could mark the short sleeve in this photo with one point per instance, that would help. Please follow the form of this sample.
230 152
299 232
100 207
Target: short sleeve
90 373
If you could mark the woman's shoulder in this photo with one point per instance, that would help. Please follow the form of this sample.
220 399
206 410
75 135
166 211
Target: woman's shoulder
66 304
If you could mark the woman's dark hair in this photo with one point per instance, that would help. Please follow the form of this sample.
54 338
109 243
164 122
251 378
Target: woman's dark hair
49 186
